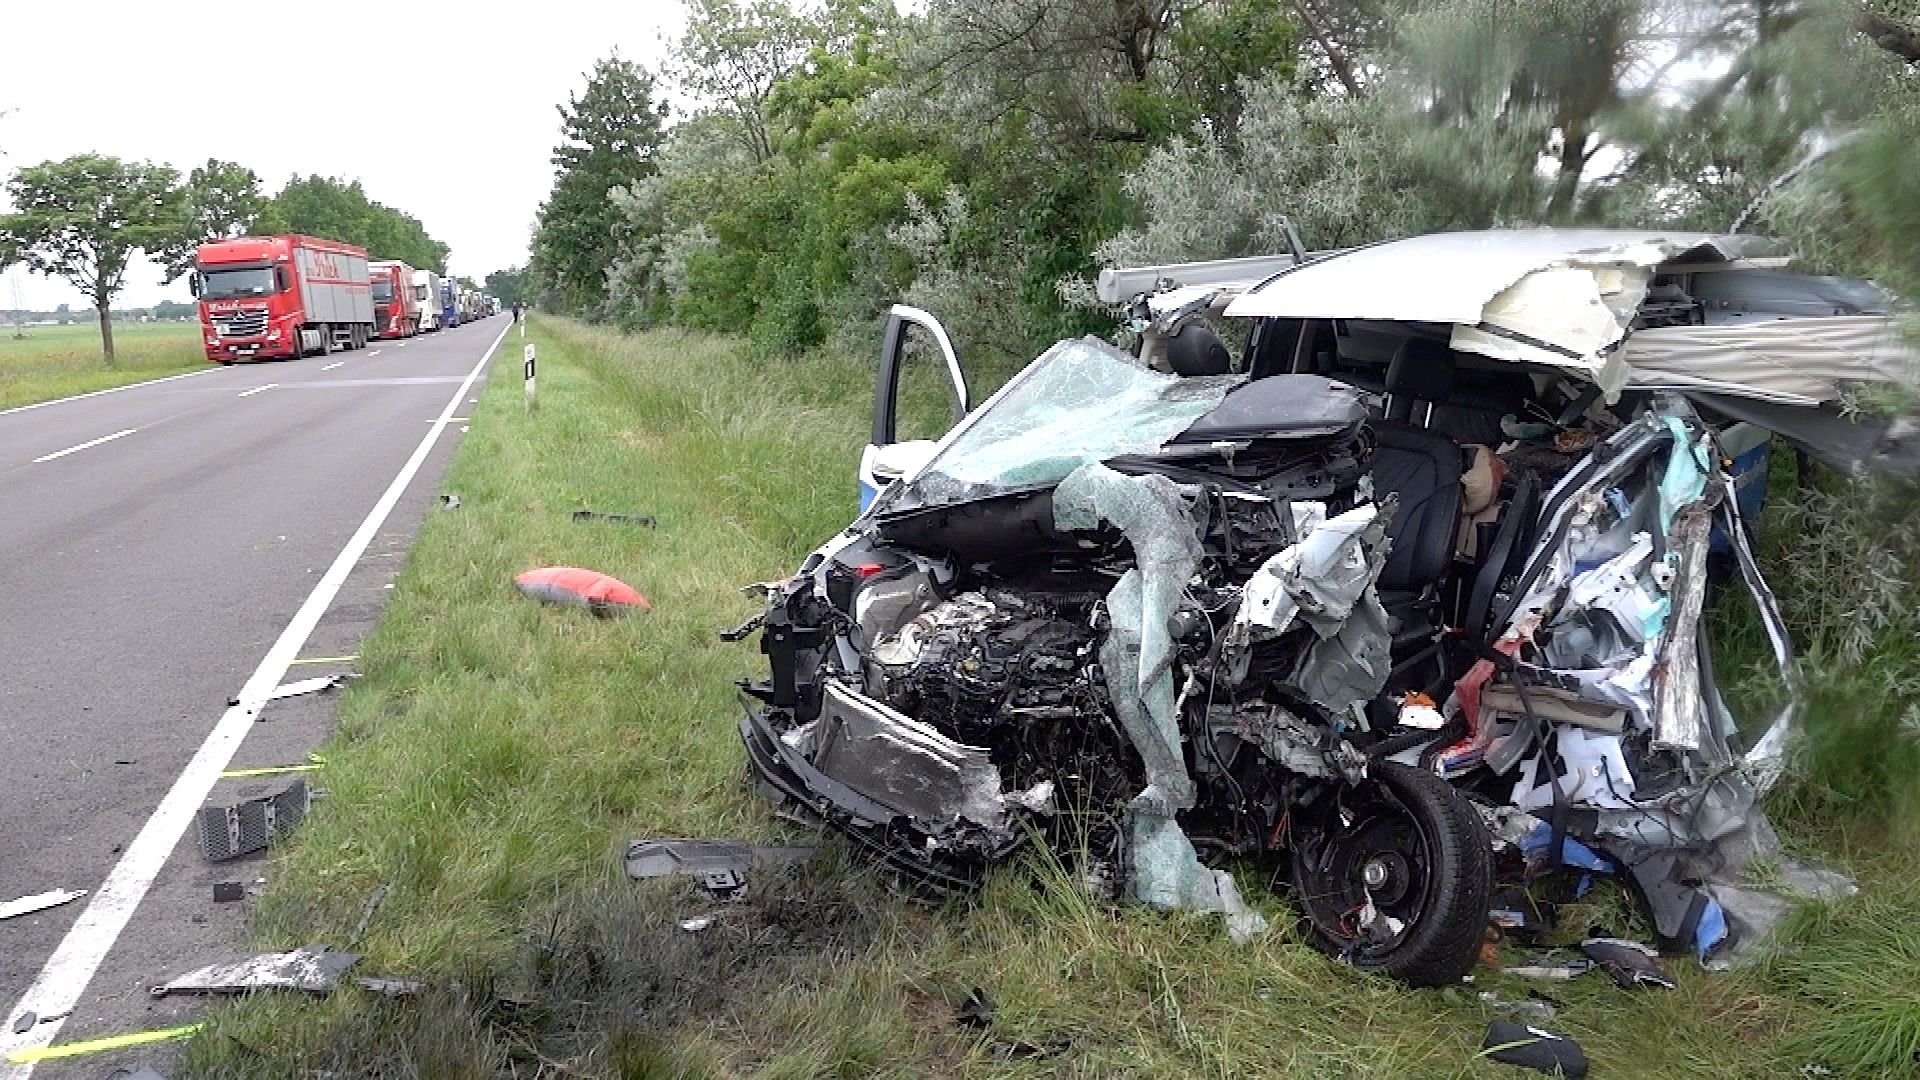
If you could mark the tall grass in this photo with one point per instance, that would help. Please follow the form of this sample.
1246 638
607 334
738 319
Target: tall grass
497 755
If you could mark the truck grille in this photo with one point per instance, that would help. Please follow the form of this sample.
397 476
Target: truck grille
241 324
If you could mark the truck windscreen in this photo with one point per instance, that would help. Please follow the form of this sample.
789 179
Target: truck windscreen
382 291
230 284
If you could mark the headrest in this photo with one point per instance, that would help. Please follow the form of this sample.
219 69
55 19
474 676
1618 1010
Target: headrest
1197 350
1421 368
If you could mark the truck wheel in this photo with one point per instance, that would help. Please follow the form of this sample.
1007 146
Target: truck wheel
1398 883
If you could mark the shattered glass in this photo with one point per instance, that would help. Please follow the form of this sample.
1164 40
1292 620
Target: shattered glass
1081 401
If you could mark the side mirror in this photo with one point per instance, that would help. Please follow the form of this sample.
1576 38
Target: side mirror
193 283
279 279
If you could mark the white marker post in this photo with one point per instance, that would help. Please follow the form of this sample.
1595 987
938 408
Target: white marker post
529 376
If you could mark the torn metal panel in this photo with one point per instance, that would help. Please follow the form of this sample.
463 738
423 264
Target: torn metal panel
313 970
1679 716
27 905
904 764
1796 361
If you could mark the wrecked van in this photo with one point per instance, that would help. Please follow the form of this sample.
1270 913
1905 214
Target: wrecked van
1418 578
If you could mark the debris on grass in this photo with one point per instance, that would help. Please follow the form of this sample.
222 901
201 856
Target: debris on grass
313 970
1629 962
719 867
645 521
1531 1048
373 903
570 586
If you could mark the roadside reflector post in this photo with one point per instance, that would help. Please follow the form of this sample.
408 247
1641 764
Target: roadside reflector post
529 375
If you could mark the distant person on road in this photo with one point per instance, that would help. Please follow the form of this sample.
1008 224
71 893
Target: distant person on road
516 311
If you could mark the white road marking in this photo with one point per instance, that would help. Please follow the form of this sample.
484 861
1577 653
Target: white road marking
89 443
257 389
375 352
108 390
56 991
403 344
337 363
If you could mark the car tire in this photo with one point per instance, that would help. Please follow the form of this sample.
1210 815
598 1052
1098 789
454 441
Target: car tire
1429 850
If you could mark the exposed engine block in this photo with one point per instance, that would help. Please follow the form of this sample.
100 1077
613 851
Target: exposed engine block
973 665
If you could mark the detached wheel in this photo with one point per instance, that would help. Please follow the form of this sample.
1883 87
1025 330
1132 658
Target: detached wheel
1397 882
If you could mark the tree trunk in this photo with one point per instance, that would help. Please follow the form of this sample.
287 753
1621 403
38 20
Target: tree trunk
106 332
1896 37
1573 162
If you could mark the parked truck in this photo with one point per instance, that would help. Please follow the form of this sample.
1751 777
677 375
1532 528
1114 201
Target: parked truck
281 296
396 314
426 294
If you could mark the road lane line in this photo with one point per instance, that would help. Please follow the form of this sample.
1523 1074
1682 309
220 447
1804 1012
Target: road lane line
337 363
375 352
57 990
86 445
108 390
257 389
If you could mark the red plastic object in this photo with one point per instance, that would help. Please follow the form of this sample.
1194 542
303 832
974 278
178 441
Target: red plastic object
570 586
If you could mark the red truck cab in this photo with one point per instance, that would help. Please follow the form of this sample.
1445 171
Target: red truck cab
281 296
396 313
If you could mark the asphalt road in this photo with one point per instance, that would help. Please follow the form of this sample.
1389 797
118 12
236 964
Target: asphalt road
155 543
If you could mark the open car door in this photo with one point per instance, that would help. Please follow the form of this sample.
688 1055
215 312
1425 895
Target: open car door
888 457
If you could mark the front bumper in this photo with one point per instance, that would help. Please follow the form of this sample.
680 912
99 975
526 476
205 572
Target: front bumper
233 349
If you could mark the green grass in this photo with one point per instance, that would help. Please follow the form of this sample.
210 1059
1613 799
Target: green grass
498 754
57 361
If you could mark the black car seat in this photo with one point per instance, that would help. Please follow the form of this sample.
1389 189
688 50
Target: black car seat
1422 469
1421 372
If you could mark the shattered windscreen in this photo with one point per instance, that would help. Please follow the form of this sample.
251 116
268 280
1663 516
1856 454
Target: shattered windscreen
1081 401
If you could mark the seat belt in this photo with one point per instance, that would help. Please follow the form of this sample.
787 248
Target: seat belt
1519 509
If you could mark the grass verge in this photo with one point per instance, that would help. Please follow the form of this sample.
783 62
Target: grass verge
496 756
59 361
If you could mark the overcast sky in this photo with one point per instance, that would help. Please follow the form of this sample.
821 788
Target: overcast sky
443 110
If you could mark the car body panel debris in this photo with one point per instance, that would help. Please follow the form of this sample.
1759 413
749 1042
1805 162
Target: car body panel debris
313 970
391 987
1630 963
247 826
570 586
27 905
720 867
645 521
1531 1048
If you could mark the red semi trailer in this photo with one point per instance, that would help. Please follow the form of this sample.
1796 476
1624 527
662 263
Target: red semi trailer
395 311
281 296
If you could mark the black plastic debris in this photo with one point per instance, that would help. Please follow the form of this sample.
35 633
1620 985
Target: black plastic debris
226 892
1531 1048
1628 962
227 832
644 521
976 1011
25 1023
313 970
718 866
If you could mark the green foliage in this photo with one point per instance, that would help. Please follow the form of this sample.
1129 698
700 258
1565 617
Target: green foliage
336 210
223 201
508 286
609 136
83 219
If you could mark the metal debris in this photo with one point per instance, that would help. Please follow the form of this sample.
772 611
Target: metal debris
226 892
1628 962
27 905
313 970
449 501
391 987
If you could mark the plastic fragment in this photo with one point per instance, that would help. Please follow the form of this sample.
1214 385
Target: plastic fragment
27 905
1531 1048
